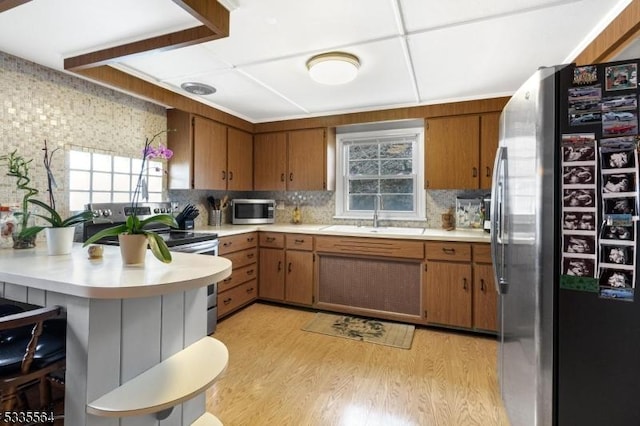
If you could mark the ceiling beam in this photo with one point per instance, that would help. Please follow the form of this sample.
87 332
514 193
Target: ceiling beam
10 4
142 88
619 33
211 13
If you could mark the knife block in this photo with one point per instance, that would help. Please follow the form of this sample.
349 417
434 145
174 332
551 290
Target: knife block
186 225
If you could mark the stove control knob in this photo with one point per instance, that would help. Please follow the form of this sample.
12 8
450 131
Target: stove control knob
156 210
163 210
97 213
106 213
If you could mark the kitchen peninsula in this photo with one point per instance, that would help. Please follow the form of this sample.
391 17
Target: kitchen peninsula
121 322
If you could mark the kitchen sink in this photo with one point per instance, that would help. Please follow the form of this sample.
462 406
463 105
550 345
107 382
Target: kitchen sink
353 229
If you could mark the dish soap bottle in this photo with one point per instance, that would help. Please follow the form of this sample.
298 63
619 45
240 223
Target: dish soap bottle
296 215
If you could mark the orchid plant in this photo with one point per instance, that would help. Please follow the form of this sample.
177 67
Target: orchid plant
134 225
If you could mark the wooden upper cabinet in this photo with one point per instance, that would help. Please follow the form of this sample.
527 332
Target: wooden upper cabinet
270 167
239 160
307 160
452 152
295 160
489 136
209 154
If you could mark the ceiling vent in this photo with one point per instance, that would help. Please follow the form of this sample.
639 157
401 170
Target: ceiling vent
199 89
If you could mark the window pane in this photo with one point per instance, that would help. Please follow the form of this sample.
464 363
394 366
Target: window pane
121 182
397 202
396 150
79 160
136 165
101 181
102 162
363 151
396 167
361 202
366 168
121 165
100 197
121 197
363 186
77 200
79 180
155 184
396 186
155 168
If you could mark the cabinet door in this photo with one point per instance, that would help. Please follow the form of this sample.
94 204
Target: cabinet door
485 298
180 166
239 160
452 152
270 165
448 293
306 161
299 280
209 154
272 269
489 134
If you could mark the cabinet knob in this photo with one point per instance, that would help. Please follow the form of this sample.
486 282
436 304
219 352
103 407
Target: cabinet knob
291 177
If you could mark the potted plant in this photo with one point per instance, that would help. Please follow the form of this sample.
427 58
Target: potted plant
132 235
23 237
60 231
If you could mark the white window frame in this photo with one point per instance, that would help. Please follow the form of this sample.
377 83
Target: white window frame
342 190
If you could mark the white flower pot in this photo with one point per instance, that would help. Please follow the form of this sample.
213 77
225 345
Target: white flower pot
59 240
133 248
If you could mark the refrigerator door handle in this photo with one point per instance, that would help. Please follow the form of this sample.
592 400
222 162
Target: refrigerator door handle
497 219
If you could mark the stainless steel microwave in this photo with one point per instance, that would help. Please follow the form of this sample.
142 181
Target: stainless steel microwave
251 211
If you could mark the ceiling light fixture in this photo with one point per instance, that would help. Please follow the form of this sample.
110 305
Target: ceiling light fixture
333 67
199 89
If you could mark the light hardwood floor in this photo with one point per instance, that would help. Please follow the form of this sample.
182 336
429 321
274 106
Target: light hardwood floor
281 375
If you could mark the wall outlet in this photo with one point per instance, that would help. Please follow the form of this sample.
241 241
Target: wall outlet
279 204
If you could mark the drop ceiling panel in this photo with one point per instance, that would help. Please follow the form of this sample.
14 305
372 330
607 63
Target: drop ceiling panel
383 79
236 92
263 30
488 58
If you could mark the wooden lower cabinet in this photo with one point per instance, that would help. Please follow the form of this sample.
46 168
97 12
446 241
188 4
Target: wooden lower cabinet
241 287
448 294
286 268
485 296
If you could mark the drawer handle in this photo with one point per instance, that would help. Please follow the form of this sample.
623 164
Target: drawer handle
224 175
227 301
230 175
227 244
475 172
488 172
250 255
250 239
482 285
298 241
289 267
291 177
279 265
271 239
250 290
448 250
250 272
226 280
464 283
281 177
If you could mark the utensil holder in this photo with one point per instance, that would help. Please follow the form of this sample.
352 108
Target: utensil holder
215 217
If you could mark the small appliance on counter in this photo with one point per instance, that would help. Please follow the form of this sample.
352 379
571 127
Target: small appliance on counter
486 212
252 211
468 213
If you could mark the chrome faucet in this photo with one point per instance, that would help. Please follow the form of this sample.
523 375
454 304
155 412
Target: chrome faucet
377 205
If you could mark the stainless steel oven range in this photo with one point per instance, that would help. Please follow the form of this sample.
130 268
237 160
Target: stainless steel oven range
109 214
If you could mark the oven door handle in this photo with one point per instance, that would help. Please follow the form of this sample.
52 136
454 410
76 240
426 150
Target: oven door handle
197 248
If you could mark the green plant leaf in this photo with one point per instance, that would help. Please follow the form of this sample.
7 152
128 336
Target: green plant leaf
56 220
134 225
158 247
165 219
30 231
77 218
109 232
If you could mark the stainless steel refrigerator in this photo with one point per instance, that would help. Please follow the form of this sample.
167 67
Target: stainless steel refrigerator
564 211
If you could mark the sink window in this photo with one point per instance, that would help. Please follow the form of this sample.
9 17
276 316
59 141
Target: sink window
385 162
104 178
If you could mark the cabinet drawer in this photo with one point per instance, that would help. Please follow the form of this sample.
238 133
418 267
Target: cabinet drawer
238 276
482 253
370 246
243 257
238 296
272 239
448 251
237 242
299 242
